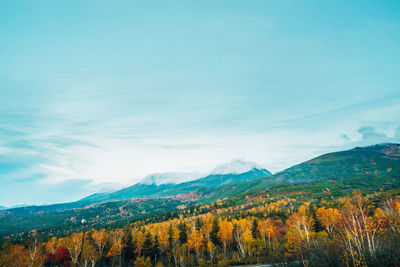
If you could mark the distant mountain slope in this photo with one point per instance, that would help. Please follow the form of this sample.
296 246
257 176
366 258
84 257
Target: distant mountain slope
141 190
374 160
334 174
101 215
44 208
370 168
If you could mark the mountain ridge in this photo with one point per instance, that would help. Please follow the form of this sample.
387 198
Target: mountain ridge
363 163
372 169
140 190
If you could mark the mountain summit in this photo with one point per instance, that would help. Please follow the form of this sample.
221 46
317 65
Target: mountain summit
236 166
388 149
170 184
169 178
374 167
377 161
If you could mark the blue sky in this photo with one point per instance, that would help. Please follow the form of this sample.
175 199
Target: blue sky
97 94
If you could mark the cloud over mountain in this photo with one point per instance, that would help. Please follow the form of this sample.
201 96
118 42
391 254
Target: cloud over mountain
236 166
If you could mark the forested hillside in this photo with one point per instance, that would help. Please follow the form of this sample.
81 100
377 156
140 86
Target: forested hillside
354 230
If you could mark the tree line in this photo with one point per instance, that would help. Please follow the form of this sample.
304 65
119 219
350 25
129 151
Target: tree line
350 231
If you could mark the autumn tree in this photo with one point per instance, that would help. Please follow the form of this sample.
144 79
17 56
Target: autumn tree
115 251
211 249
100 239
14 255
225 234
139 237
62 256
392 211
269 232
51 246
207 228
143 262
329 218
196 241
302 224
359 229
35 250
299 233
90 254
243 236
73 244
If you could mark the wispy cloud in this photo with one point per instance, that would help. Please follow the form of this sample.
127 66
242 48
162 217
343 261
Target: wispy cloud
84 106
369 136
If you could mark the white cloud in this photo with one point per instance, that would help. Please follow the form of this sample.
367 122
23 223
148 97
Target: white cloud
126 161
235 166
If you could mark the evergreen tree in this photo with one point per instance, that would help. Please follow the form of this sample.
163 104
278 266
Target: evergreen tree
199 223
170 235
182 233
317 223
128 246
148 246
254 226
214 232
156 249
234 240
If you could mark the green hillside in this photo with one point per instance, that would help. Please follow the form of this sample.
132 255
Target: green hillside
153 190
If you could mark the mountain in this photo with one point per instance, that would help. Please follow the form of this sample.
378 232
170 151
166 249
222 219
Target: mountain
145 190
377 160
372 166
169 178
236 166
164 184
151 187
372 169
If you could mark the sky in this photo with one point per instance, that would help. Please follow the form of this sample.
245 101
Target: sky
95 95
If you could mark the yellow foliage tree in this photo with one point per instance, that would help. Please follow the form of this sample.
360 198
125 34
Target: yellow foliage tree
211 249
269 232
300 231
225 233
14 255
140 237
73 243
100 239
196 241
142 262
329 218
90 254
51 246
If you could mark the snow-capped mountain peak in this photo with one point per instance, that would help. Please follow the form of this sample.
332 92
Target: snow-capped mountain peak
236 166
169 178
